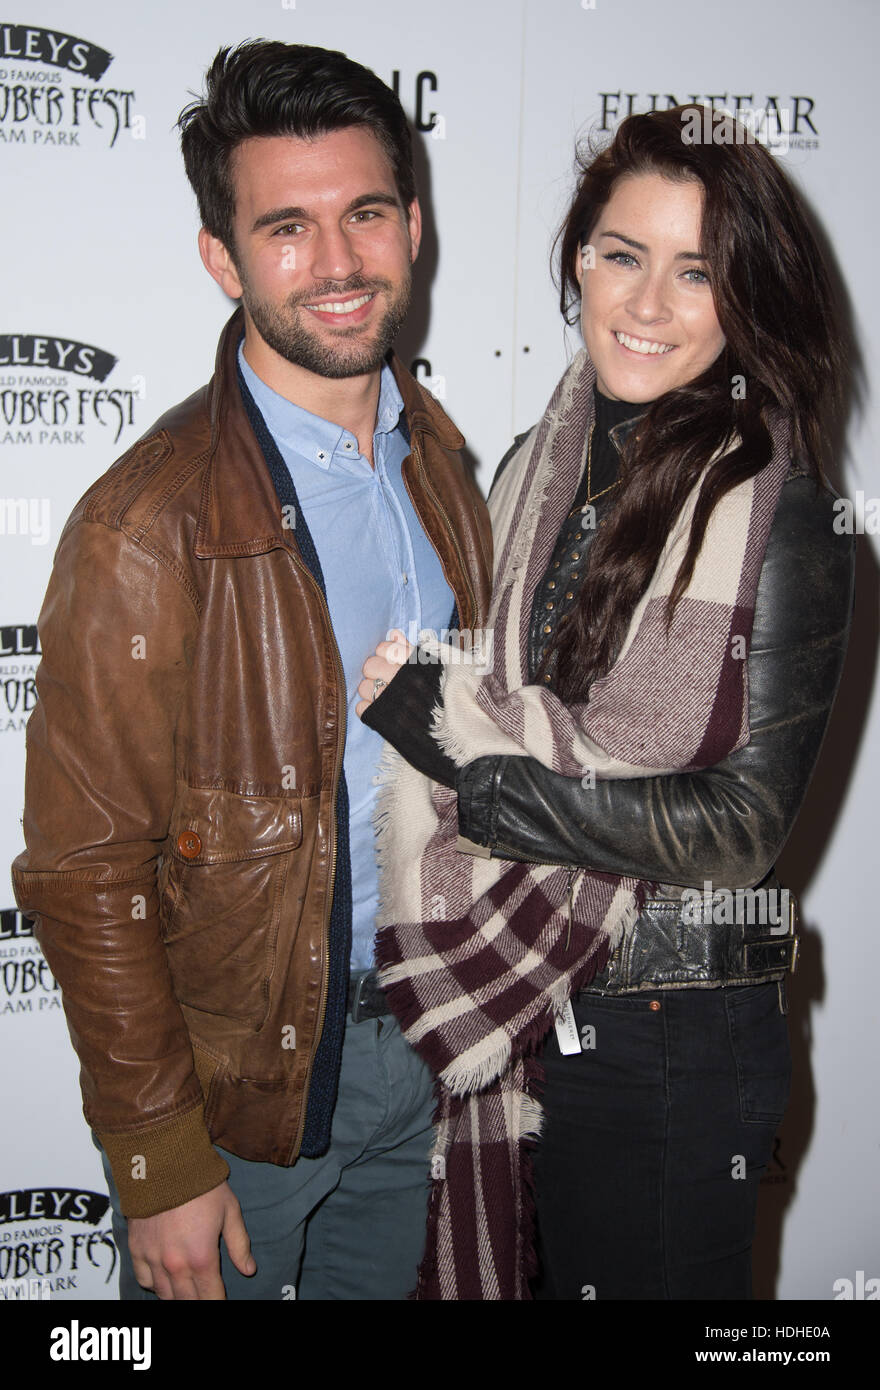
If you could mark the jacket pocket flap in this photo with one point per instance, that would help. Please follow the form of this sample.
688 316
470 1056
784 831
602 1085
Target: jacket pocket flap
212 826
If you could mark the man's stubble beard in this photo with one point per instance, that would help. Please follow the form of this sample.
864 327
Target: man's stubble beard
287 334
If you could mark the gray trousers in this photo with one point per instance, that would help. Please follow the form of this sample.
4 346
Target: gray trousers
350 1225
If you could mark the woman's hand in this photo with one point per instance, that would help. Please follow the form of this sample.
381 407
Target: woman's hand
383 666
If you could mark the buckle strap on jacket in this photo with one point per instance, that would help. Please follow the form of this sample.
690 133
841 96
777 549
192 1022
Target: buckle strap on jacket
668 950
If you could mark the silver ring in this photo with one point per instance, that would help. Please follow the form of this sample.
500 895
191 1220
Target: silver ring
377 686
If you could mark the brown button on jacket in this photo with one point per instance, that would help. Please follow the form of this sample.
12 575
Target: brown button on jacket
182 766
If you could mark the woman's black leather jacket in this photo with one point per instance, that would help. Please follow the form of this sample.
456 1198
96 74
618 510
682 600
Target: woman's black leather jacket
723 826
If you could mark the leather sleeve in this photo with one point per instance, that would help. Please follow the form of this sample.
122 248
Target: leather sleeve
115 630
729 822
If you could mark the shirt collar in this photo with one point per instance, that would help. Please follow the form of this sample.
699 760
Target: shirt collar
309 435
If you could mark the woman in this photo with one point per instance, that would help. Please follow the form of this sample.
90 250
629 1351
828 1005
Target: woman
670 617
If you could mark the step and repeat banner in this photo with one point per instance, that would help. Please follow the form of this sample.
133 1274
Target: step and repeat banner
107 318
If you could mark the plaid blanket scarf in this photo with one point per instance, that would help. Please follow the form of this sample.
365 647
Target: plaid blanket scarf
478 955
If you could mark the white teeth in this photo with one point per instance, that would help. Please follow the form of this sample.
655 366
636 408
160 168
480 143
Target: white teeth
642 345
347 307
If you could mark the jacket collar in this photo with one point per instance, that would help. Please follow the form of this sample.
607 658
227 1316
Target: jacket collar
240 513
618 434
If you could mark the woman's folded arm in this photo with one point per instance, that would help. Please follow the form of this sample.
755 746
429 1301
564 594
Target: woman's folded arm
728 822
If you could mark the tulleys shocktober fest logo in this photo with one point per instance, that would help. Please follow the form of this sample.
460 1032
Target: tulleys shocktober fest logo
27 985
52 93
19 658
45 393
50 1239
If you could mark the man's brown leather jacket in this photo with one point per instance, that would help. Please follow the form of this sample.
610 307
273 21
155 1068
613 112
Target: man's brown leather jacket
182 768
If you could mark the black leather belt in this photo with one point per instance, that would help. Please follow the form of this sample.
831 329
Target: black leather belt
665 951
365 998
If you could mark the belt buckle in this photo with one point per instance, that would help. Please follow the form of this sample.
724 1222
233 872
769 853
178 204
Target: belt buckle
365 997
355 1009
790 941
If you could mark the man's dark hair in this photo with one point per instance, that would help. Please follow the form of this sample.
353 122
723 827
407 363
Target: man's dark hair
264 88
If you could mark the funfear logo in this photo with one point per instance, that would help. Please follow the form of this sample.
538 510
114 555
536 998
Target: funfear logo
19 657
52 92
52 390
50 1237
781 123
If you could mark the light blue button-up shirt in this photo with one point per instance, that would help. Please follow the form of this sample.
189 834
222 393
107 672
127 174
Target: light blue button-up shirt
380 572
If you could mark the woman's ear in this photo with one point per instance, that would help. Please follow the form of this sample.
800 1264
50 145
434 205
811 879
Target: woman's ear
585 259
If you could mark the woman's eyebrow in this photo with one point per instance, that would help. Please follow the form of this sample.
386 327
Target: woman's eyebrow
639 246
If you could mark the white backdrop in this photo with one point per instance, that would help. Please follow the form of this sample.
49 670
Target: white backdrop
99 240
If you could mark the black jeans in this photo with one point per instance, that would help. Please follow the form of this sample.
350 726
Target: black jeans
655 1139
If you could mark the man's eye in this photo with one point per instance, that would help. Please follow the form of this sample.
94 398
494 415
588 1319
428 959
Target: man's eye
288 229
365 214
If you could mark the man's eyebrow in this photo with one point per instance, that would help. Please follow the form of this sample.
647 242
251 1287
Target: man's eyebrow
639 246
299 214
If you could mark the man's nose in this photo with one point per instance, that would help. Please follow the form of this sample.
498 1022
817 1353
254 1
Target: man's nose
335 256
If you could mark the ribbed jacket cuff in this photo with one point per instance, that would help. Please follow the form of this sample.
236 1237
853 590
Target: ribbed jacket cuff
477 801
165 1165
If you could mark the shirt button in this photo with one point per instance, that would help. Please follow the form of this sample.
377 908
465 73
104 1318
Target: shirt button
405 577
349 444
321 455
654 1006
189 844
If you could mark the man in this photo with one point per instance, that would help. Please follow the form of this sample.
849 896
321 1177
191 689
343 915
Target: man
200 858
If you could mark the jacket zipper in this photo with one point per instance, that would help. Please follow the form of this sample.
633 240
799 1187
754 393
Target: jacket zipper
340 745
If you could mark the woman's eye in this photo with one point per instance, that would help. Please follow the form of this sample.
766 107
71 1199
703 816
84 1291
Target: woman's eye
701 276
620 258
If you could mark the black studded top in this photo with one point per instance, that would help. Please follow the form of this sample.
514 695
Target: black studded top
402 711
557 593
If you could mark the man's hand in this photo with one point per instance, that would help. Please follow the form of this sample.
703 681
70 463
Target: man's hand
177 1253
383 665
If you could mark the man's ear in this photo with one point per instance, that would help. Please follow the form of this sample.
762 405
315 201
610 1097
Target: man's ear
219 264
414 224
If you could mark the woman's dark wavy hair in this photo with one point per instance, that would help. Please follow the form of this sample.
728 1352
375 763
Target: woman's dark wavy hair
775 306
266 88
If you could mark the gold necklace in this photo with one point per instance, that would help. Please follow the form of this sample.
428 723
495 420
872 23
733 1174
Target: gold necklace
590 497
